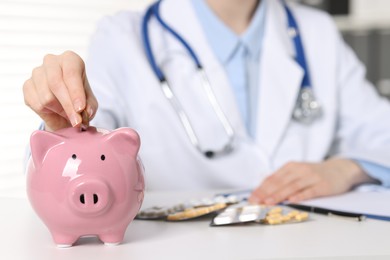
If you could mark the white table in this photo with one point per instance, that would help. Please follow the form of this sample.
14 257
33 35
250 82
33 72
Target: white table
23 236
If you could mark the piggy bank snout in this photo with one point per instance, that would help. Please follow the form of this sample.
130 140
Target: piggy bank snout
90 197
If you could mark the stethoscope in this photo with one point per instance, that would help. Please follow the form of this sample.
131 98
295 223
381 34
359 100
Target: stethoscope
306 110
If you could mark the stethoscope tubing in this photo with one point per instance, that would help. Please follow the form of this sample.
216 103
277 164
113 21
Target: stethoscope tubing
168 92
300 56
154 9
303 111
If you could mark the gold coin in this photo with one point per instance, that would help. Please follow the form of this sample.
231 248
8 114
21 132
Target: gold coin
84 120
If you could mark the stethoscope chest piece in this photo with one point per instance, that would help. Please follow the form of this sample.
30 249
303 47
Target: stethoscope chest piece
153 11
307 109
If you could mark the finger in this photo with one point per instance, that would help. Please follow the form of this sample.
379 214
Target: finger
73 72
31 98
60 91
266 188
259 195
273 183
308 193
52 120
44 95
92 103
304 181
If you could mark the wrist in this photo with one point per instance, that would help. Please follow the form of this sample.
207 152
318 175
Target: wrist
354 173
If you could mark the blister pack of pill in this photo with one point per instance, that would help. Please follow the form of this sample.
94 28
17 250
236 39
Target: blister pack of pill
245 214
160 213
282 215
197 212
191 209
234 215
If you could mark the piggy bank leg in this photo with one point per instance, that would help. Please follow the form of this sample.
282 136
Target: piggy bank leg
112 239
63 240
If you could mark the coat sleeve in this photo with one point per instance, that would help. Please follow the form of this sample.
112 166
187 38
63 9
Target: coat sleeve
377 171
107 70
363 131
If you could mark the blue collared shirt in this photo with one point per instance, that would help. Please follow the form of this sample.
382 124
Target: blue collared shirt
240 57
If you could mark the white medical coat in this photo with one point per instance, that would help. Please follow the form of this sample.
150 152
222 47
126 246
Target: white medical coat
355 122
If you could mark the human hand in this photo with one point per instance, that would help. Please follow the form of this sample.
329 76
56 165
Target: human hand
58 91
297 181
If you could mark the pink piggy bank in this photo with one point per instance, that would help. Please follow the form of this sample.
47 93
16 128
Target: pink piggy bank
83 183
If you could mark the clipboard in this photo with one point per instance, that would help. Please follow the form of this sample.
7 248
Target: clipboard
372 201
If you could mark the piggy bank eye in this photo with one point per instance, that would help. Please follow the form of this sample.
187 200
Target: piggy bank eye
74 156
103 157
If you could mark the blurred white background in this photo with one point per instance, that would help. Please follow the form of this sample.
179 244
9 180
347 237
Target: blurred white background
29 29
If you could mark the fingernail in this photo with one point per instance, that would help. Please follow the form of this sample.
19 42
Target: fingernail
254 200
78 105
75 119
90 112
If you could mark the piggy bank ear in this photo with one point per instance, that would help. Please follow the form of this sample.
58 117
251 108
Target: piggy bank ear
125 140
140 186
41 142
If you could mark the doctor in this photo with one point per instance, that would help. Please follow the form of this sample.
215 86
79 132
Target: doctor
286 109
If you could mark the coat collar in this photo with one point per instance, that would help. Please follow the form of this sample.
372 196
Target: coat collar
280 76
280 80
